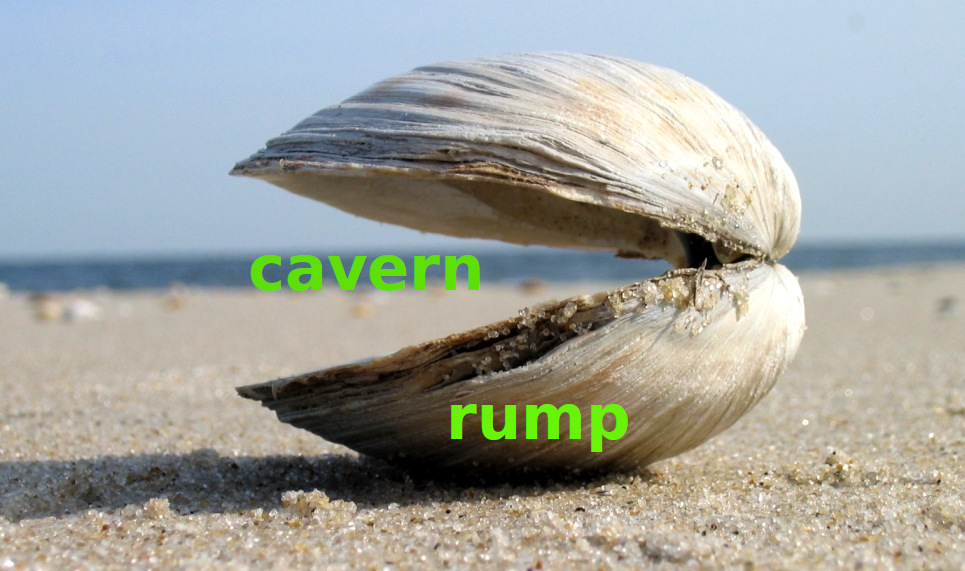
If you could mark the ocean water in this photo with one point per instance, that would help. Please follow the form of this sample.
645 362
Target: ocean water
510 266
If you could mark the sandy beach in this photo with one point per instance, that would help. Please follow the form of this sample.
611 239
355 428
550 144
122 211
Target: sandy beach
123 443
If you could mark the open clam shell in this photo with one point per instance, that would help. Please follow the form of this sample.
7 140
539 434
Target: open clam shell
563 150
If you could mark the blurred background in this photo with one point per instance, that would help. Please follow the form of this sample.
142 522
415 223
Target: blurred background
120 120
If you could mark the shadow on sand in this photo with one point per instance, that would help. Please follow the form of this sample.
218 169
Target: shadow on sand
206 482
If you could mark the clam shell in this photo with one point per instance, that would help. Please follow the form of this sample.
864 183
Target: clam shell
563 150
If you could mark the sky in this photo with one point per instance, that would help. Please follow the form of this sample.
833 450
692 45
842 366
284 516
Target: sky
119 121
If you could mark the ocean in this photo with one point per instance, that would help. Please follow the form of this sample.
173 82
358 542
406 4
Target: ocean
509 266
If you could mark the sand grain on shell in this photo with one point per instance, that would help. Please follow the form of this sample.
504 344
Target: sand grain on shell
122 442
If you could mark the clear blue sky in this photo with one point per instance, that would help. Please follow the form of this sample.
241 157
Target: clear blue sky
120 120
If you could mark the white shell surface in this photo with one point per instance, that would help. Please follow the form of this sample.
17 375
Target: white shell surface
685 355
563 150
557 149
